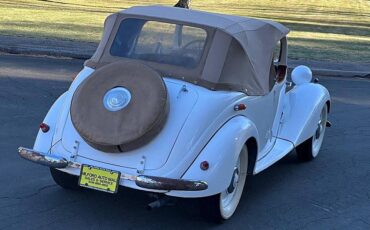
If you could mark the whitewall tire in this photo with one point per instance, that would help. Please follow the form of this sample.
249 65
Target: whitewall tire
309 149
222 206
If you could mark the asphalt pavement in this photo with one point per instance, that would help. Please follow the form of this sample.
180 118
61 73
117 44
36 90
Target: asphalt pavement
331 192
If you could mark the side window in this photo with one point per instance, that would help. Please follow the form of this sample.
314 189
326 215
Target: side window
274 64
278 70
277 53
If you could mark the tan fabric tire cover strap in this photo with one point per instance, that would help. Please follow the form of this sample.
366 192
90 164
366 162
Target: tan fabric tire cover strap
130 127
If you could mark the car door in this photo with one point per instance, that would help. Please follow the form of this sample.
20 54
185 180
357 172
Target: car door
280 65
262 112
264 116
274 100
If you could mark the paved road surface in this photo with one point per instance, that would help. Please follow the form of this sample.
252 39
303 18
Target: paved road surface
332 191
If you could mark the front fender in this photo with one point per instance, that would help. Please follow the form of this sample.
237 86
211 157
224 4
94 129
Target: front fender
221 152
44 140
302 110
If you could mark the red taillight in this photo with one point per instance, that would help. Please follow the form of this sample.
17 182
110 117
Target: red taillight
204 165
240 107
44 127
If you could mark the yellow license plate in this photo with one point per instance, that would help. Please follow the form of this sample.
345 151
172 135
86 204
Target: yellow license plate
99 179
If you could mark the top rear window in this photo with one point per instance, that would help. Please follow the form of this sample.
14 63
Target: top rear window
159 42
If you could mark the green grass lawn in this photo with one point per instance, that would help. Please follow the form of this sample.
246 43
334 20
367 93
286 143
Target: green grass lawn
337 30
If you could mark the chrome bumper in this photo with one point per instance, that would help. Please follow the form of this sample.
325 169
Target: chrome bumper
143 181
42 159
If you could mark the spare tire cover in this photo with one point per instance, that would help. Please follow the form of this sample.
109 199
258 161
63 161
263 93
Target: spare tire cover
120 107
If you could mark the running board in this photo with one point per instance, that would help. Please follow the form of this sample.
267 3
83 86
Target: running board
280 149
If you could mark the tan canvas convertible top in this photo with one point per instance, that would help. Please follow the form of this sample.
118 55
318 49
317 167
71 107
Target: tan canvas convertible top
231 40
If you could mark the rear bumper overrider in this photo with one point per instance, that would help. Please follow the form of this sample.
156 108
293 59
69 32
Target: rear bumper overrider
143 181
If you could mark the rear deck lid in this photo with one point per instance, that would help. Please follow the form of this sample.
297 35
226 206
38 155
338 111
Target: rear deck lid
182 98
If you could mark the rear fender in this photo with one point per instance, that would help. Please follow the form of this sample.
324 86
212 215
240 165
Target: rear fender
222 152
57 115
44 140
302 109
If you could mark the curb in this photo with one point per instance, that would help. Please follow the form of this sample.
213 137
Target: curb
341 73
87 53
337 73
52 53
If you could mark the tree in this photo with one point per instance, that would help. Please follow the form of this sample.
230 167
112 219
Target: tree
183 4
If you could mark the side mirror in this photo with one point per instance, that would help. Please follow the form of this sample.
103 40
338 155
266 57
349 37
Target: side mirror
301 74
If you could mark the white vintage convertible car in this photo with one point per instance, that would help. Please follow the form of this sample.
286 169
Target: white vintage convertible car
182 103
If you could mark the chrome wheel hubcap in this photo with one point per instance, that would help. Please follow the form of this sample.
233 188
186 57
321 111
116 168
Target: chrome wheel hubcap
234 181
230 197
318 138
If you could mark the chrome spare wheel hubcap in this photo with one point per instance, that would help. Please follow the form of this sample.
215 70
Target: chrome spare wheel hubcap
116 99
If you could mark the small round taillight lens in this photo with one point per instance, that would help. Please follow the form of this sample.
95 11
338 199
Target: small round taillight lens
44 127
239 107
204 165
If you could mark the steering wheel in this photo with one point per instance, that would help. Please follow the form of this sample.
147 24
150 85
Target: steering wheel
193 52
199 42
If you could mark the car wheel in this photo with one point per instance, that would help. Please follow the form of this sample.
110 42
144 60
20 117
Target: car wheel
309 149
64 180
222 206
